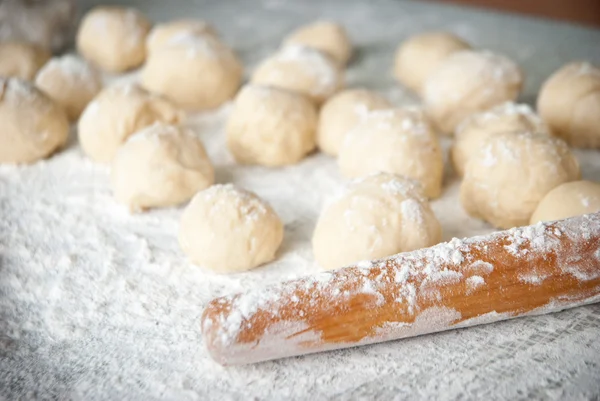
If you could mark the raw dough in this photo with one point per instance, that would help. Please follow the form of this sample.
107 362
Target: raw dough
326 36
48 23
468 82
342 112
160 165
380 215
419 55
71 82
162 34
196 71
569 102
398 141
508 117
227 230
21 60
301 69
511 173
115 114
113 37
33 126
568 200
271 126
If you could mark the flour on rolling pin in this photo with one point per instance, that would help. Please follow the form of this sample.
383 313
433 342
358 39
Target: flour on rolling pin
523 271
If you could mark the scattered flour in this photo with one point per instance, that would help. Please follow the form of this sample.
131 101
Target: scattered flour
508 109
71 66
474 282
96 304
588 69
199 45
313 63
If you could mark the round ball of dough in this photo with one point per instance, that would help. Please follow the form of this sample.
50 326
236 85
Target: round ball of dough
21 60
113 37
161 165
379 216
510 174
398 141
70 82
270 126
327 36
508 117
301 69
33 126
227 230
569 102
161 34
568 200
421 54
467 82
342 112
115 114
194 71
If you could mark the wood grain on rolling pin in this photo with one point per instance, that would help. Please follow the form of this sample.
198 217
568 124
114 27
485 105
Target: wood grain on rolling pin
523 271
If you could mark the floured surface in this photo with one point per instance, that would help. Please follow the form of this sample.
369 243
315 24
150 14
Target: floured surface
98 304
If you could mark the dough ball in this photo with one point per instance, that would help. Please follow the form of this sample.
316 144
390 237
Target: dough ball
21 60
380 215
467 82
228 230
47 23
569 102
71 82
160 165
270 126
33 126
115 114
421 54
113 37
327 36
194 71
511 173
301 69
568 200
398 141
342 112
161 34
508 117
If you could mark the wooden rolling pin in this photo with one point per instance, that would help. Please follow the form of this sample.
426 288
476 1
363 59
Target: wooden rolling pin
523 271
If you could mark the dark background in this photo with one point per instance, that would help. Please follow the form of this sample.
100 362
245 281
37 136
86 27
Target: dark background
578 11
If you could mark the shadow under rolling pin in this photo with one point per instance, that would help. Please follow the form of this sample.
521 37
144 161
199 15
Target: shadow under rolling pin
524 271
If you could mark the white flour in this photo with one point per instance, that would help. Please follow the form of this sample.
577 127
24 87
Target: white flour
96 303
70 66
309 63
508 111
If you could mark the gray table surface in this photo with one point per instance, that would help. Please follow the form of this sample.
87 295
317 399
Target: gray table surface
548 357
